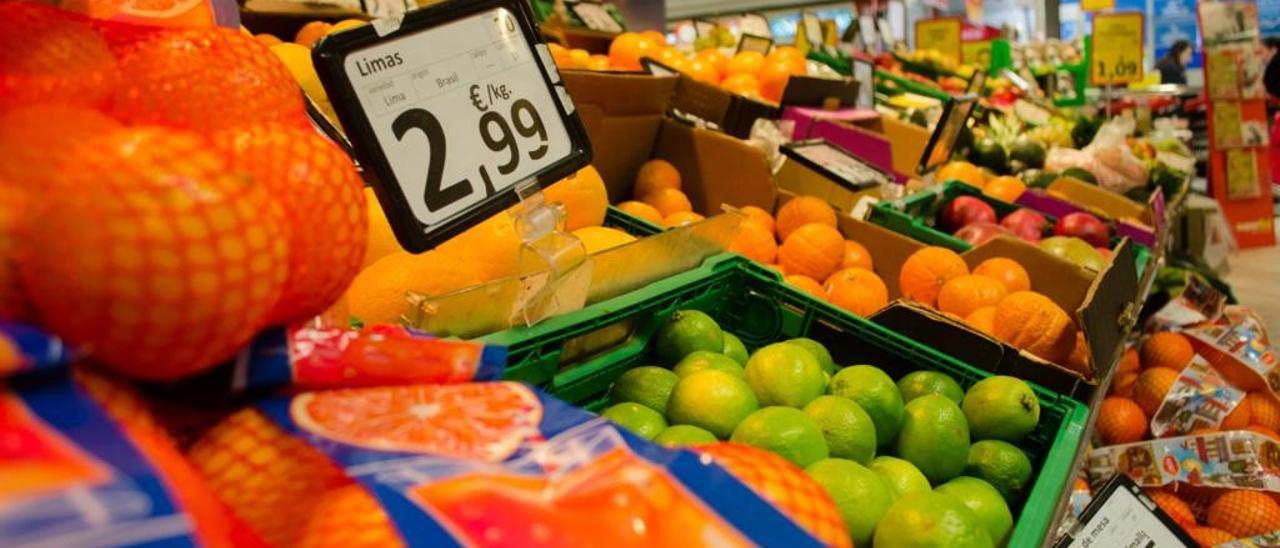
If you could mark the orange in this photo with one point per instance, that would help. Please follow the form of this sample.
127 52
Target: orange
1120 420
51 55
856 256
1129 362
963 172
681 218
487 251
814 250
801 211
1239 418
1208 537
741 84
206 80
578 58
774 77
1152 387
597 62
641 210
311 32
760 216
714 57
654 36
1122 385
381 240
1008 271
667 55
1005 188
925 272
755 242
268 39
1079 360
964 294
627 48
378 293
667 201
1174 506
778 268
745 62
857 290
560 55
702 71
807 284
784 485
326 210
154 253
1236 373
1244 513
981 319
1264 431
786 53
1263 410
1166 349
600 238
1033 322
655 175
584 197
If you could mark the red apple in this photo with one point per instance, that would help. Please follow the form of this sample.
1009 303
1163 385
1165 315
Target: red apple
964 211
1084 226
1106 253
980 233
1026 224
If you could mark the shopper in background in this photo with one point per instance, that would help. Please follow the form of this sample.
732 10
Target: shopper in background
1173 66
1271 75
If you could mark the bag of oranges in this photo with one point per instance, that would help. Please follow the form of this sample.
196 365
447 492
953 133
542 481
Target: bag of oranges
483 464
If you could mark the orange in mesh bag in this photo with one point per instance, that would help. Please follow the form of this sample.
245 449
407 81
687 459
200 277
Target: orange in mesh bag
47 54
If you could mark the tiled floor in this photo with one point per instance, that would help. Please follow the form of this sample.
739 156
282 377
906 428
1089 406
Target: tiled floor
1255 278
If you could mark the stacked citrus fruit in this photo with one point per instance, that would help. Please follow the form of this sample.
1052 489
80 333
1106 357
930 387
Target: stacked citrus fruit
747 73
483 253
879 447
658 196
179 188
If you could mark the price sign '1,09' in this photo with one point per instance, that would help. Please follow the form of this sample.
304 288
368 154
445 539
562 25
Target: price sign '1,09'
1117 49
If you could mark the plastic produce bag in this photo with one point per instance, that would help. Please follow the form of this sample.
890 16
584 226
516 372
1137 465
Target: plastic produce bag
1237 459
478 464
1107 157
1200 398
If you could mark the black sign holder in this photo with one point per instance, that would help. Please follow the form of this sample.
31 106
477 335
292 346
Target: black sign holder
329 57
942 142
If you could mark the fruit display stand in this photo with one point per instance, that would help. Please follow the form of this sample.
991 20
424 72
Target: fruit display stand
592 348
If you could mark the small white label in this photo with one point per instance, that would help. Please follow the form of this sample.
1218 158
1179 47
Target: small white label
596 17
461 111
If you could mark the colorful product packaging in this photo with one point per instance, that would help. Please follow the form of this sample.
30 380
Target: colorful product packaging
474 464
1236 459
1200 398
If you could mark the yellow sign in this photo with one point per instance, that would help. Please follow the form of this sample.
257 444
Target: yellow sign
1097 5
977 54
1117 49
941 35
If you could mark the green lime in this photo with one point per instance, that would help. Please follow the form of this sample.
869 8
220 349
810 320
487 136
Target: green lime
649 386
1001 408
921 520
713 400
640 420
819 353
685 332
986 503
849 431
861 495
919 383
788 432
875 392
1002 465
902 476
785 374
934 437
734 348
684 434
701 359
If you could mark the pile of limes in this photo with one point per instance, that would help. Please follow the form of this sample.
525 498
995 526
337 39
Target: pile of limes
922 454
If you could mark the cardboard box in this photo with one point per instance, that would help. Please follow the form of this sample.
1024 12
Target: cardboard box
906 141
1144 223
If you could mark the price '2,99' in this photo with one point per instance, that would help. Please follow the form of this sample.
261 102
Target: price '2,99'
496 132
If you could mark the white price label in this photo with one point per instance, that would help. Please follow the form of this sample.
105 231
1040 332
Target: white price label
596 17
454 111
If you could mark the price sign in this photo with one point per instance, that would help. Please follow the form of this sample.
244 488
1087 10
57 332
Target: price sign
596 17
451 110
941 35
1122 515
1117 49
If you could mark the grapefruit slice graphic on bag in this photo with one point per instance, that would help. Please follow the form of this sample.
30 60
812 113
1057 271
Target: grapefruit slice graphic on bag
482 421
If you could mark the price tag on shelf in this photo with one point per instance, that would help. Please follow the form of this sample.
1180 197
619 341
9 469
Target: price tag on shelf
1117 49
596 17
1120 514
452 110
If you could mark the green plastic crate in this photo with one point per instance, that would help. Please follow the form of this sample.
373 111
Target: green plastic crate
578 355
915 216
626 222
